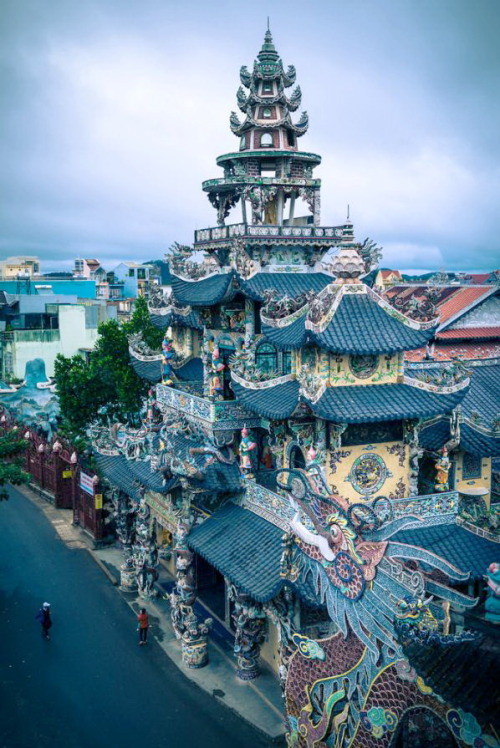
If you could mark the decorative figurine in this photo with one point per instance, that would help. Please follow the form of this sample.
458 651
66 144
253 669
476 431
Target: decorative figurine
168 354
442 470
246 446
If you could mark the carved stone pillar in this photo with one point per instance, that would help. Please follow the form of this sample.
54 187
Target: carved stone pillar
317 208
411 437
192 633
249 321
250 624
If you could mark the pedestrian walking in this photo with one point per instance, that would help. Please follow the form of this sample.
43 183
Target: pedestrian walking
143 625
45 620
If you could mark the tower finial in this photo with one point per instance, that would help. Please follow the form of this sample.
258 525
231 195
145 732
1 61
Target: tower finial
268 24
348 208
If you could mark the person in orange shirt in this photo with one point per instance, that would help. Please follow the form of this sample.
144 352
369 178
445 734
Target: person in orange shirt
143 625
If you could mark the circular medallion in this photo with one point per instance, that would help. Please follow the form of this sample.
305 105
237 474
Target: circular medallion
363 366
368 473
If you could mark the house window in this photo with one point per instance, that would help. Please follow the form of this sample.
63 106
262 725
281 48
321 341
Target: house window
131 272
141 274
266 140
266 358
471 466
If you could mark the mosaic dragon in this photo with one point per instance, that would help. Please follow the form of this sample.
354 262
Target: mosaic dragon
353 688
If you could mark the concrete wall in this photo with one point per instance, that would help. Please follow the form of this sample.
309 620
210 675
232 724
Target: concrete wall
26 345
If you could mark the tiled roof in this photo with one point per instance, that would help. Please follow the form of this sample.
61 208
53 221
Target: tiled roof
274 402
244 547
216 476
361 326
462 548
203 292
291 284
477 443
463 350
452 671
149 370
127 474
464 298
382 402
436 435
290 337
190 372
477 333
191 319
484 393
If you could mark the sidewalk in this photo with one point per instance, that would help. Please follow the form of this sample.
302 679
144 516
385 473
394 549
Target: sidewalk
258 702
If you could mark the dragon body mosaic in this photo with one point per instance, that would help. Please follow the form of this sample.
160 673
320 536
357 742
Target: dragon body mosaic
355 687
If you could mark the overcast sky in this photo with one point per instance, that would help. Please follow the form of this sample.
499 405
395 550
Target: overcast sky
113 112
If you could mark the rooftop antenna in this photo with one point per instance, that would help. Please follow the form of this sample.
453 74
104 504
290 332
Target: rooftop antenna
347 211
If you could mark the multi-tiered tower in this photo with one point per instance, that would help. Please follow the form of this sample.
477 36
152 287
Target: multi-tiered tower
285 406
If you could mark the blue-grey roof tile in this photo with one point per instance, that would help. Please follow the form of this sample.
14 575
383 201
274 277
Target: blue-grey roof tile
290 337
191 371
149 370
274 402
292 284
381 402
435 435
484 393
205 291
244 547
361 326
464 549
477 443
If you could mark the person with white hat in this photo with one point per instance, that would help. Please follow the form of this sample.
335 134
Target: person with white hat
43 616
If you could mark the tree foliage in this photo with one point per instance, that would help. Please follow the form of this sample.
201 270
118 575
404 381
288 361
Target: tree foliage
106 386
141 322
11 460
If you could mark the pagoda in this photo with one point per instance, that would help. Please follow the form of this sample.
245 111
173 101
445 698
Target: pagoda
280 457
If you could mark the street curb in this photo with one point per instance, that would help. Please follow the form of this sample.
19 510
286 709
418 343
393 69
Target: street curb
114 581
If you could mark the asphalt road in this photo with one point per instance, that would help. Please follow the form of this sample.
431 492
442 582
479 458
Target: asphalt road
91 685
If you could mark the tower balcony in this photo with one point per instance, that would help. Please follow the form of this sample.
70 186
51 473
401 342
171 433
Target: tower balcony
220 237
223 415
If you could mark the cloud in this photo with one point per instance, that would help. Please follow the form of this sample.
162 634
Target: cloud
114 114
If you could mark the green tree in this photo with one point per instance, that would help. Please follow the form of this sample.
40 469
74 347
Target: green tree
11 451
140 321
106 386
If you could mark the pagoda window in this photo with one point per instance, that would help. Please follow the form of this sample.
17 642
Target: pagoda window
243 143
266 358
267 87
287 362
471 466
267 112
266 140
290 136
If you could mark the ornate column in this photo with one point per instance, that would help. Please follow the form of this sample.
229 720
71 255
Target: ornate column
145 556
250 624
411 435
317 208
249 321
192 633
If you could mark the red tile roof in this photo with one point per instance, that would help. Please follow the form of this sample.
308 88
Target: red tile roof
477 333
465 350
464 297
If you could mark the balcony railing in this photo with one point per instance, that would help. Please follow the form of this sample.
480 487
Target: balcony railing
327 235
220 415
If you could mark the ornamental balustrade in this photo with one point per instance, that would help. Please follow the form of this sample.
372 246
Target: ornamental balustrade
221 415
435 508
326 234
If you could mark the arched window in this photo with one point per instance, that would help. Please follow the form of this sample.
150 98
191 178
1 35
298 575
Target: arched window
297 459
266 358
266 140
267 112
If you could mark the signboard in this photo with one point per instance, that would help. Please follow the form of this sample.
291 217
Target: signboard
67 473
86 483
98 501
